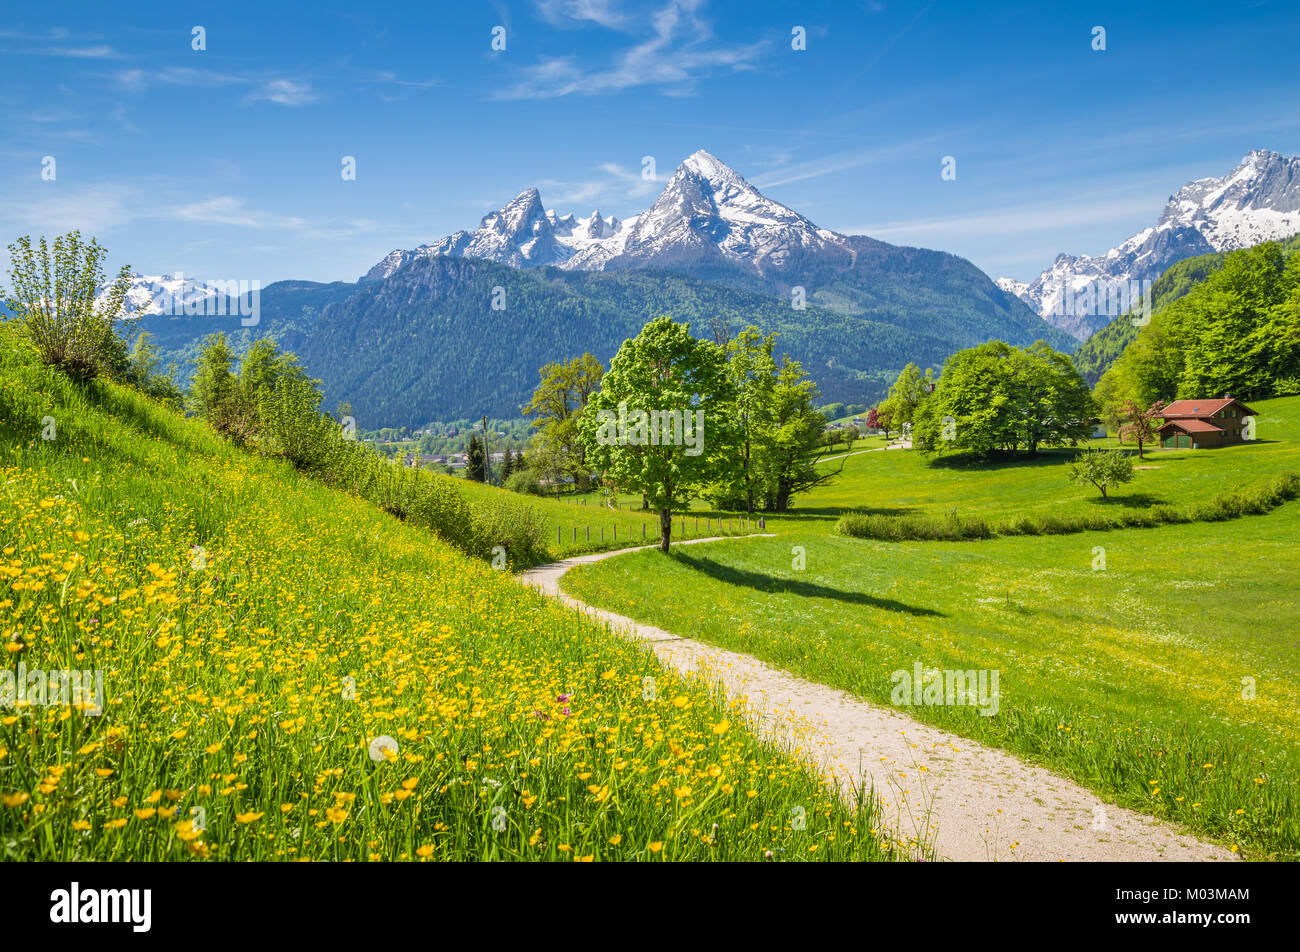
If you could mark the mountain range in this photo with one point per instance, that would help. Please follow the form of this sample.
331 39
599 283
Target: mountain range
460 326
1257 201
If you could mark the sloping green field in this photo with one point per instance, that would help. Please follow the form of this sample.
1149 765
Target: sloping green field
289 673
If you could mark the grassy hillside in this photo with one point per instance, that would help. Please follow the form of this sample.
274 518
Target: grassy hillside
1100 351
1124 655
258 634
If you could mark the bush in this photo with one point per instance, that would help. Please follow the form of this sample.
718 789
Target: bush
53 295
291 425
524 481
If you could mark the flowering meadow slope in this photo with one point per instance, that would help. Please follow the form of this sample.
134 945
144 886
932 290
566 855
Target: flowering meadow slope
289 673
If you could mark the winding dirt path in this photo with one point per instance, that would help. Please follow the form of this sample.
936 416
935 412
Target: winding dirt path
969 801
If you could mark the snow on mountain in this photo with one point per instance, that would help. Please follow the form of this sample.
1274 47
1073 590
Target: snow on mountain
1012 286
1257 201
707 212
161 294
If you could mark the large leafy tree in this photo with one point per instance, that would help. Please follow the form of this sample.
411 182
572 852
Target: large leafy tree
663 370
561 396
1237 331
908 393
794 445
751 371
998 398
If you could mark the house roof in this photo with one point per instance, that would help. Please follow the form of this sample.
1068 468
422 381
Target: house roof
1200 408
1193 426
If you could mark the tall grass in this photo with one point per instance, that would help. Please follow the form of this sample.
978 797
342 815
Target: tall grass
259 633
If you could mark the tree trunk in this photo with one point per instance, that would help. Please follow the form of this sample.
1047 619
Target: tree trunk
665 529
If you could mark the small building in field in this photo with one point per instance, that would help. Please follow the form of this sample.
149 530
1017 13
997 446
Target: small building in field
1203 424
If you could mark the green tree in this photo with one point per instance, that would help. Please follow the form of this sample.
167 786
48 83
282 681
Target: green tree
998 398
1101 468
476 462
291 424
908 393
142 372
507 466
53 294
561 396
214 394
789 458
262 368
662 376
751 371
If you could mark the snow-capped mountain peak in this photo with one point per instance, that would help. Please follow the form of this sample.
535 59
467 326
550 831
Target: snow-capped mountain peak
706 211
1257 201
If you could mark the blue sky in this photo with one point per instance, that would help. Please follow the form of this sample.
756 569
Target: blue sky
225 163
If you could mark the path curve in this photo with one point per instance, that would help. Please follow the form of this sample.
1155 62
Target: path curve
971 802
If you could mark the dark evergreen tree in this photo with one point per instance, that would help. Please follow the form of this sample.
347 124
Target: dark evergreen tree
476 465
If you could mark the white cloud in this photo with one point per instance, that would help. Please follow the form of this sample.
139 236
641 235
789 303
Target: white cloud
285 92
677 52
229 210
568 12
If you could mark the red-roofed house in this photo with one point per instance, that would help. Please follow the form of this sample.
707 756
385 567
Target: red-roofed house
1202 424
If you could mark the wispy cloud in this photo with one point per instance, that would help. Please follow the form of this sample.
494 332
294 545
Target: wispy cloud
229 210
1023 219
102 51
839 162
616 187
677 51
606 13
277 89
285 92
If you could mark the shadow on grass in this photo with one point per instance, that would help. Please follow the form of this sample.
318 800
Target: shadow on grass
766 583
1130 501
823 513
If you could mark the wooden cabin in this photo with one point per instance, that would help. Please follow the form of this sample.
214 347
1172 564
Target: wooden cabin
1203 424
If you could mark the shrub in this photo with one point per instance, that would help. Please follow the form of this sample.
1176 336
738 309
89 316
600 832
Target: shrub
524 481
54 296
291 425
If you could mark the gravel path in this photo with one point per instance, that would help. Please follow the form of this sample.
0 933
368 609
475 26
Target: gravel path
969 801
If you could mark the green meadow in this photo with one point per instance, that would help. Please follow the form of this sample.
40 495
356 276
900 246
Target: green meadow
289 672
1158 666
